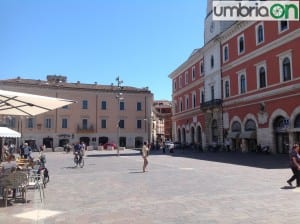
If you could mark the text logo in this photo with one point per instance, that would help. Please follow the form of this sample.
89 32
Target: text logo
255 10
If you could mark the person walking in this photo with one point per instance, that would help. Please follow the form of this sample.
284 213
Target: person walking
145 153
295 165
27 151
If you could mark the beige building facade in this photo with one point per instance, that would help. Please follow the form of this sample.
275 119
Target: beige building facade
103 113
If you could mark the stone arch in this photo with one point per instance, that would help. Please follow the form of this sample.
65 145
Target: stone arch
294 115
235 118
279 136
249 117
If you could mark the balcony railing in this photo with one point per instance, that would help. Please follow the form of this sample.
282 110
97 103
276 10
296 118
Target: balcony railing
211 104
89 129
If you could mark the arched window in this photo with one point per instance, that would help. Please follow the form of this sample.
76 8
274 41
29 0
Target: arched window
226 53
297 122
260 34
194 100
286 69
236 126
226 88
262 77
241 44
212 61
243 84
212 89
250 125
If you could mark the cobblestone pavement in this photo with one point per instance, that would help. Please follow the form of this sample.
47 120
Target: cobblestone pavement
184 187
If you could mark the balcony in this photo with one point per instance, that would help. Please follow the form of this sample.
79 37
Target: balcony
83 129
211 104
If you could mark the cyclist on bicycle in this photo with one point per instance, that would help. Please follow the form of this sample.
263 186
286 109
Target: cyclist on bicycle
78 150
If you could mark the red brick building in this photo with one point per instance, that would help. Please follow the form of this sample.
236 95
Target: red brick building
242 86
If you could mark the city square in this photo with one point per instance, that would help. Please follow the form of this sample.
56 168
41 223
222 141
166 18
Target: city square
182 187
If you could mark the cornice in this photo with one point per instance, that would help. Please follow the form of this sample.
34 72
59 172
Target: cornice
183 90
70 86
185 114
277 90
233 30
193 59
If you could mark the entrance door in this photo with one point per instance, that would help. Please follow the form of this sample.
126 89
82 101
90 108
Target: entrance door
282 143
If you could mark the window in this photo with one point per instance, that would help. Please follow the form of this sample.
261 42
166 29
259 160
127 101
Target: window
286 69
48 123
103 105
65 107
181 105
139 124
186 77
193 73
225 53
180 81
242 82
285 66
259 33
175 85
241 44
262 77
250 125
201 68
139 106
10 122
212 62
30 122
84 124
85 104
194 100
121 124
187 102
212 92
64 123
122 105
236 127
202 96
103 123
227 92
283 26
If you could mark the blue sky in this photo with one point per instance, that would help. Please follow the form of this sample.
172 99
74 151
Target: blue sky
142 41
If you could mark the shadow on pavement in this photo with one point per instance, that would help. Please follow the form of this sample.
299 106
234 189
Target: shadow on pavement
115 154
287 188
271 161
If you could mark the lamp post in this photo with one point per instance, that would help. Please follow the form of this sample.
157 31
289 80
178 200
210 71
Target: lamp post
119 98
148 129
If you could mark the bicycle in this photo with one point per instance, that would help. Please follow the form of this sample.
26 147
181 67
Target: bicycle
78 159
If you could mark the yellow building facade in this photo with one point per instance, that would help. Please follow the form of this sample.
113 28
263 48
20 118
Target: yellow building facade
103 113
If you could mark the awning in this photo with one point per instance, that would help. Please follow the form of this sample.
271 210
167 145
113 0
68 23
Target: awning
248 134
9 133
17 103
233 134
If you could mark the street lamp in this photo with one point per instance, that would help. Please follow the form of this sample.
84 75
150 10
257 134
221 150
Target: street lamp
119 98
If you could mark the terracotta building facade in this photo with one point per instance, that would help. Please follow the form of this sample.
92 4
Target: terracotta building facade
241 87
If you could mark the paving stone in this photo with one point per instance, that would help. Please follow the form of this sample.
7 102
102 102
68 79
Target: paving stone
184 187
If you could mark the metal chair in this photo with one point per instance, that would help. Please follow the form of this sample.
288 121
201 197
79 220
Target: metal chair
36 181
16 181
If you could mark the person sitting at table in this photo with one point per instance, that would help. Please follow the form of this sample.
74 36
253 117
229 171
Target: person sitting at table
10 164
